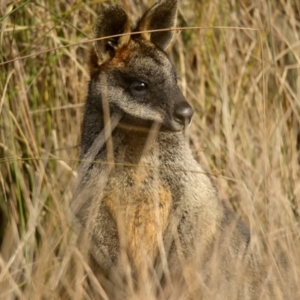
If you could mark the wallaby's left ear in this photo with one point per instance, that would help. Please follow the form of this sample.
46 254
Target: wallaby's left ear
161 15
112 21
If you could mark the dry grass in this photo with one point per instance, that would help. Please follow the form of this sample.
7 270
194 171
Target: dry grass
244 85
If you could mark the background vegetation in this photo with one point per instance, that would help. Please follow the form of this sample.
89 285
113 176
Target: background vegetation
243 83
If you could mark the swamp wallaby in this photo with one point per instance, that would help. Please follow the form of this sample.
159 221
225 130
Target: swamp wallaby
150 213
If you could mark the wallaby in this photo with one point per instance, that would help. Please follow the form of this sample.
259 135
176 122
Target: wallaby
149 211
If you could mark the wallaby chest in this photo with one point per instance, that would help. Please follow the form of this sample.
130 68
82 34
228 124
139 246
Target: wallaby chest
140 204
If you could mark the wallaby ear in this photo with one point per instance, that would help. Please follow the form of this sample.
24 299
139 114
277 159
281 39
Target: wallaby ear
161 15
113 20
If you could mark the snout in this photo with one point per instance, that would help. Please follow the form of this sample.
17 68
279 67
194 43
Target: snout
183 113
179 118
179 113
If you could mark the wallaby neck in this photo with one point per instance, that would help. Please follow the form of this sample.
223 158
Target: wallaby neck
135 147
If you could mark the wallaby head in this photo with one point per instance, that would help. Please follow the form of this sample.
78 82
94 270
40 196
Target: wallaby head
133 74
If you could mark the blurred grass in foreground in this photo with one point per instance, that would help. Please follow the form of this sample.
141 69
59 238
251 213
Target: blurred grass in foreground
244 85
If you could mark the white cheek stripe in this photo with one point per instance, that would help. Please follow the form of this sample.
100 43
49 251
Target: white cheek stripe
141 111
135 109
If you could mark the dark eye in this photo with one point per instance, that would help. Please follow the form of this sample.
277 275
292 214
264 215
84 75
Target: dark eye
138 86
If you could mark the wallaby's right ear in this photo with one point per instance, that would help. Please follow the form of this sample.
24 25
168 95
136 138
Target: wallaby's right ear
113 20
162 15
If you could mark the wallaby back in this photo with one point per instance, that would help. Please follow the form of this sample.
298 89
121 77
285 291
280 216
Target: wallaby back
150 214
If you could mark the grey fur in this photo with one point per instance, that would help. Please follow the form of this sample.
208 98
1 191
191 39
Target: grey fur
150 213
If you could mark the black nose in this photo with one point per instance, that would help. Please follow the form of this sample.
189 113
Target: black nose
183 113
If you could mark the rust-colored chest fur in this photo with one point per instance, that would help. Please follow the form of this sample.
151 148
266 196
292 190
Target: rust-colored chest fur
140 206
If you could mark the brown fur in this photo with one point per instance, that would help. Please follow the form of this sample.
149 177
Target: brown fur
142 222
